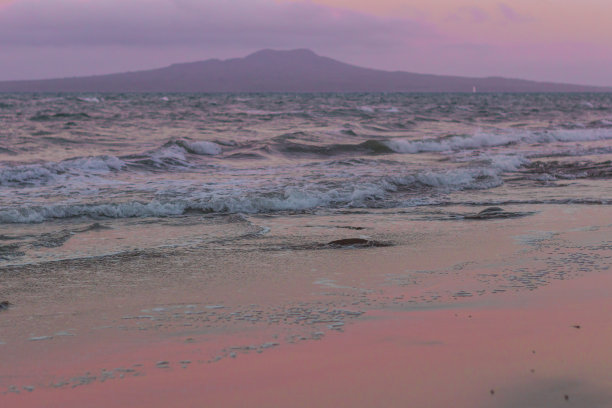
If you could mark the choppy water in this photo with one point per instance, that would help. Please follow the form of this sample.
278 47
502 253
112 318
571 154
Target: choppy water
96 158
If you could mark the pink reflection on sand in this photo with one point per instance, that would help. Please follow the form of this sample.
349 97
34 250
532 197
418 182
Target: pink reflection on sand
514 349
445 357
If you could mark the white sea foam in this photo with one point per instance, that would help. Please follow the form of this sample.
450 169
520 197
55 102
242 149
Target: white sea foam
92 99
505 162
35 214
201 147
508 163
457 179
374 109
92 164
46 172
172 153
484 140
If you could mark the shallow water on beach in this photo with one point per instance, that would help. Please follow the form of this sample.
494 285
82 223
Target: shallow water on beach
89 175
257 307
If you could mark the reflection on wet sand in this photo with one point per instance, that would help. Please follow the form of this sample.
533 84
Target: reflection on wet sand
492 313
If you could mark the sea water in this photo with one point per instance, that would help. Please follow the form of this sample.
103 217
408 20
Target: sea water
134 165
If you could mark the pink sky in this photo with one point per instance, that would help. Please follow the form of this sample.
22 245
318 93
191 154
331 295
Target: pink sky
558 40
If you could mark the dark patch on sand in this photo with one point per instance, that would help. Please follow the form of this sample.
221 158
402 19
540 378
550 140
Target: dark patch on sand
345 243
495 213
351 228
355 243
555 393
53 239
4 305
96 226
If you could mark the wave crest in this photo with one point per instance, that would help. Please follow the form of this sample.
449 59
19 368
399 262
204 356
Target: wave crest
484 140
36 174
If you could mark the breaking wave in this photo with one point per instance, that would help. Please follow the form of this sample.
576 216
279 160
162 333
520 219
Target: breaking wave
354 194
484 140
171 154
201 148
37 174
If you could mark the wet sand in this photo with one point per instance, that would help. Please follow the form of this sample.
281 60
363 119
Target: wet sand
465 313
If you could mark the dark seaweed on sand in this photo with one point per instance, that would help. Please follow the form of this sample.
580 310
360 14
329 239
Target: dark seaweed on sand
495 213
355 243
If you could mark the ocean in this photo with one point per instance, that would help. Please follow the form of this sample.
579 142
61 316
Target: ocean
84 175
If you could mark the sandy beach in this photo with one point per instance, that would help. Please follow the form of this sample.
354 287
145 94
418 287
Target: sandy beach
468 313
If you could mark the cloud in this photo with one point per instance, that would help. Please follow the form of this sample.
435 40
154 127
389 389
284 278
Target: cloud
469 14
247 23
511 15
